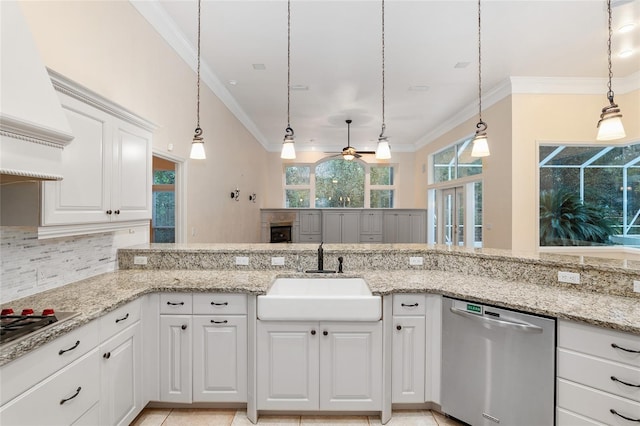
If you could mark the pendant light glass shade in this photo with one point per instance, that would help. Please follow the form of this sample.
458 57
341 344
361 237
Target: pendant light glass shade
288 148
480 146
197 145
610 124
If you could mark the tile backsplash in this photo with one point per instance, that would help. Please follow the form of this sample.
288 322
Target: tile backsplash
30 266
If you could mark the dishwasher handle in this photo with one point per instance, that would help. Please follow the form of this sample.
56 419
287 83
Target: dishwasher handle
520 326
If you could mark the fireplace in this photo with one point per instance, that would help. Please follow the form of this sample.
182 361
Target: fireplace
280 233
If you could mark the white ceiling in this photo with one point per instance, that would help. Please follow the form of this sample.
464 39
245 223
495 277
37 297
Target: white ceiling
336 52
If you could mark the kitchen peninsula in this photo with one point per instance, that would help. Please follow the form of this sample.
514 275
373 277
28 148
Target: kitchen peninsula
152 276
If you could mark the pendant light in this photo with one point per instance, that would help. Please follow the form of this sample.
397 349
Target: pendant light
610 124
197 145
480 142
383 152
288 148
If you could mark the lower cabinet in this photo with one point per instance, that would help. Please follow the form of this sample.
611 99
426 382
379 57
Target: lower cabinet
598 374
121 377
332 366
203 348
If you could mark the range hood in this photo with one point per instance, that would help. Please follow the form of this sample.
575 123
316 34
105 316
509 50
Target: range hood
33 127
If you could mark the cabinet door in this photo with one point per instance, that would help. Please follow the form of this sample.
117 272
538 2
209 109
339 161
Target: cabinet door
350 227
310 222
131 181
175 358
371 222
220 358
351 366
418 225
390 227
83 195
408 359
331 227
121 377
287 367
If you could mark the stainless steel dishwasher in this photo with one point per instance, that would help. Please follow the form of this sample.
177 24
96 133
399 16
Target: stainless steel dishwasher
498 365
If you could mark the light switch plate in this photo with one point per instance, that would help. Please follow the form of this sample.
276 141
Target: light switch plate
277 261
636 286
416 261
242 260
569 277
139 260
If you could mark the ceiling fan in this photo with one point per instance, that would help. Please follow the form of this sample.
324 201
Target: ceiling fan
348 152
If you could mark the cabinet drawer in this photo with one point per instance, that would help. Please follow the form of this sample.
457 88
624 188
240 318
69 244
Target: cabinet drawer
409 304
176 303
21 374
599 342
567 418
595 404
310 238
597 373
78 384
219 303
370 238
118 320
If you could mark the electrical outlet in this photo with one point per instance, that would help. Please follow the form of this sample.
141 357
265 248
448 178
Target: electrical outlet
636 286
416 261
139 260
277 261
569 277
242 260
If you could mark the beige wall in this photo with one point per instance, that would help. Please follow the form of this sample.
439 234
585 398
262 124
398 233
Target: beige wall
404 163
111 49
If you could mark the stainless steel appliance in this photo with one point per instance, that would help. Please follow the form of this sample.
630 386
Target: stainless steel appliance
498 365
14 327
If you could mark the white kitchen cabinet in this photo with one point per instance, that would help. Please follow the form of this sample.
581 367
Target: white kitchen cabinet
404 226
371 226
598 374
408 349
310 226
319 366
121 376
175 358
341 226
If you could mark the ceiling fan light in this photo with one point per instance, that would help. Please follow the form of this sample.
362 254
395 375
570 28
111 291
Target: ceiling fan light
348 157
197 146
610 124
383 152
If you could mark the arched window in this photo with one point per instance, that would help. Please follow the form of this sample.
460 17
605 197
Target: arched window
340 183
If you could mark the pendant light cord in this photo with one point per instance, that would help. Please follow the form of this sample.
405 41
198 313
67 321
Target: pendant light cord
288 63
198 84
609 92
479 63
383 118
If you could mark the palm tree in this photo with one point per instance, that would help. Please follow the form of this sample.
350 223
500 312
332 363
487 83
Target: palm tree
565 220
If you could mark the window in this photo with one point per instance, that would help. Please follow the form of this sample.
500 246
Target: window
297 183
589 195
339 183
455 197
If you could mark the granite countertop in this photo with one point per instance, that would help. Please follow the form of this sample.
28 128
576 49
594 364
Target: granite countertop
94 297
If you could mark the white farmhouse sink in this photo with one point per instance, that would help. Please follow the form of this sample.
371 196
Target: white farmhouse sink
319 299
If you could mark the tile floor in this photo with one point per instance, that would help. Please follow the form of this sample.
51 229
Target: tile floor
222 417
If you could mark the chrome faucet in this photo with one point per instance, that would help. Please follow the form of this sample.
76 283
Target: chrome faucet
320 257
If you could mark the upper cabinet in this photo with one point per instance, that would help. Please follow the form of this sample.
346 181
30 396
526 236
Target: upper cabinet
107 171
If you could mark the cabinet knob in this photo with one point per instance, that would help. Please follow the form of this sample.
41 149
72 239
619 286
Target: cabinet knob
117 212
184 326
398 327
109 211
313 332
106 355
325 333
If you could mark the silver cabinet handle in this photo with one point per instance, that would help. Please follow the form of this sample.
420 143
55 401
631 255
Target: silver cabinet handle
521 326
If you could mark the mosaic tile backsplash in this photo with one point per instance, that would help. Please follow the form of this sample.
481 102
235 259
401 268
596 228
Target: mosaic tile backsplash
30 266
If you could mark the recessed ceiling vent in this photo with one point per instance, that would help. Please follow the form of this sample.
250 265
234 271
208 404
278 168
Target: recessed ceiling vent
33 127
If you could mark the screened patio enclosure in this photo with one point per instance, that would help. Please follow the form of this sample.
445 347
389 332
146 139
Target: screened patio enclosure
604 181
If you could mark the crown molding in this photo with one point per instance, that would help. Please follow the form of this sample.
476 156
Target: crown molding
532 85
169 31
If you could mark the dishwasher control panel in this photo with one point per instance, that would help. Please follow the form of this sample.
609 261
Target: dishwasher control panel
472 308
